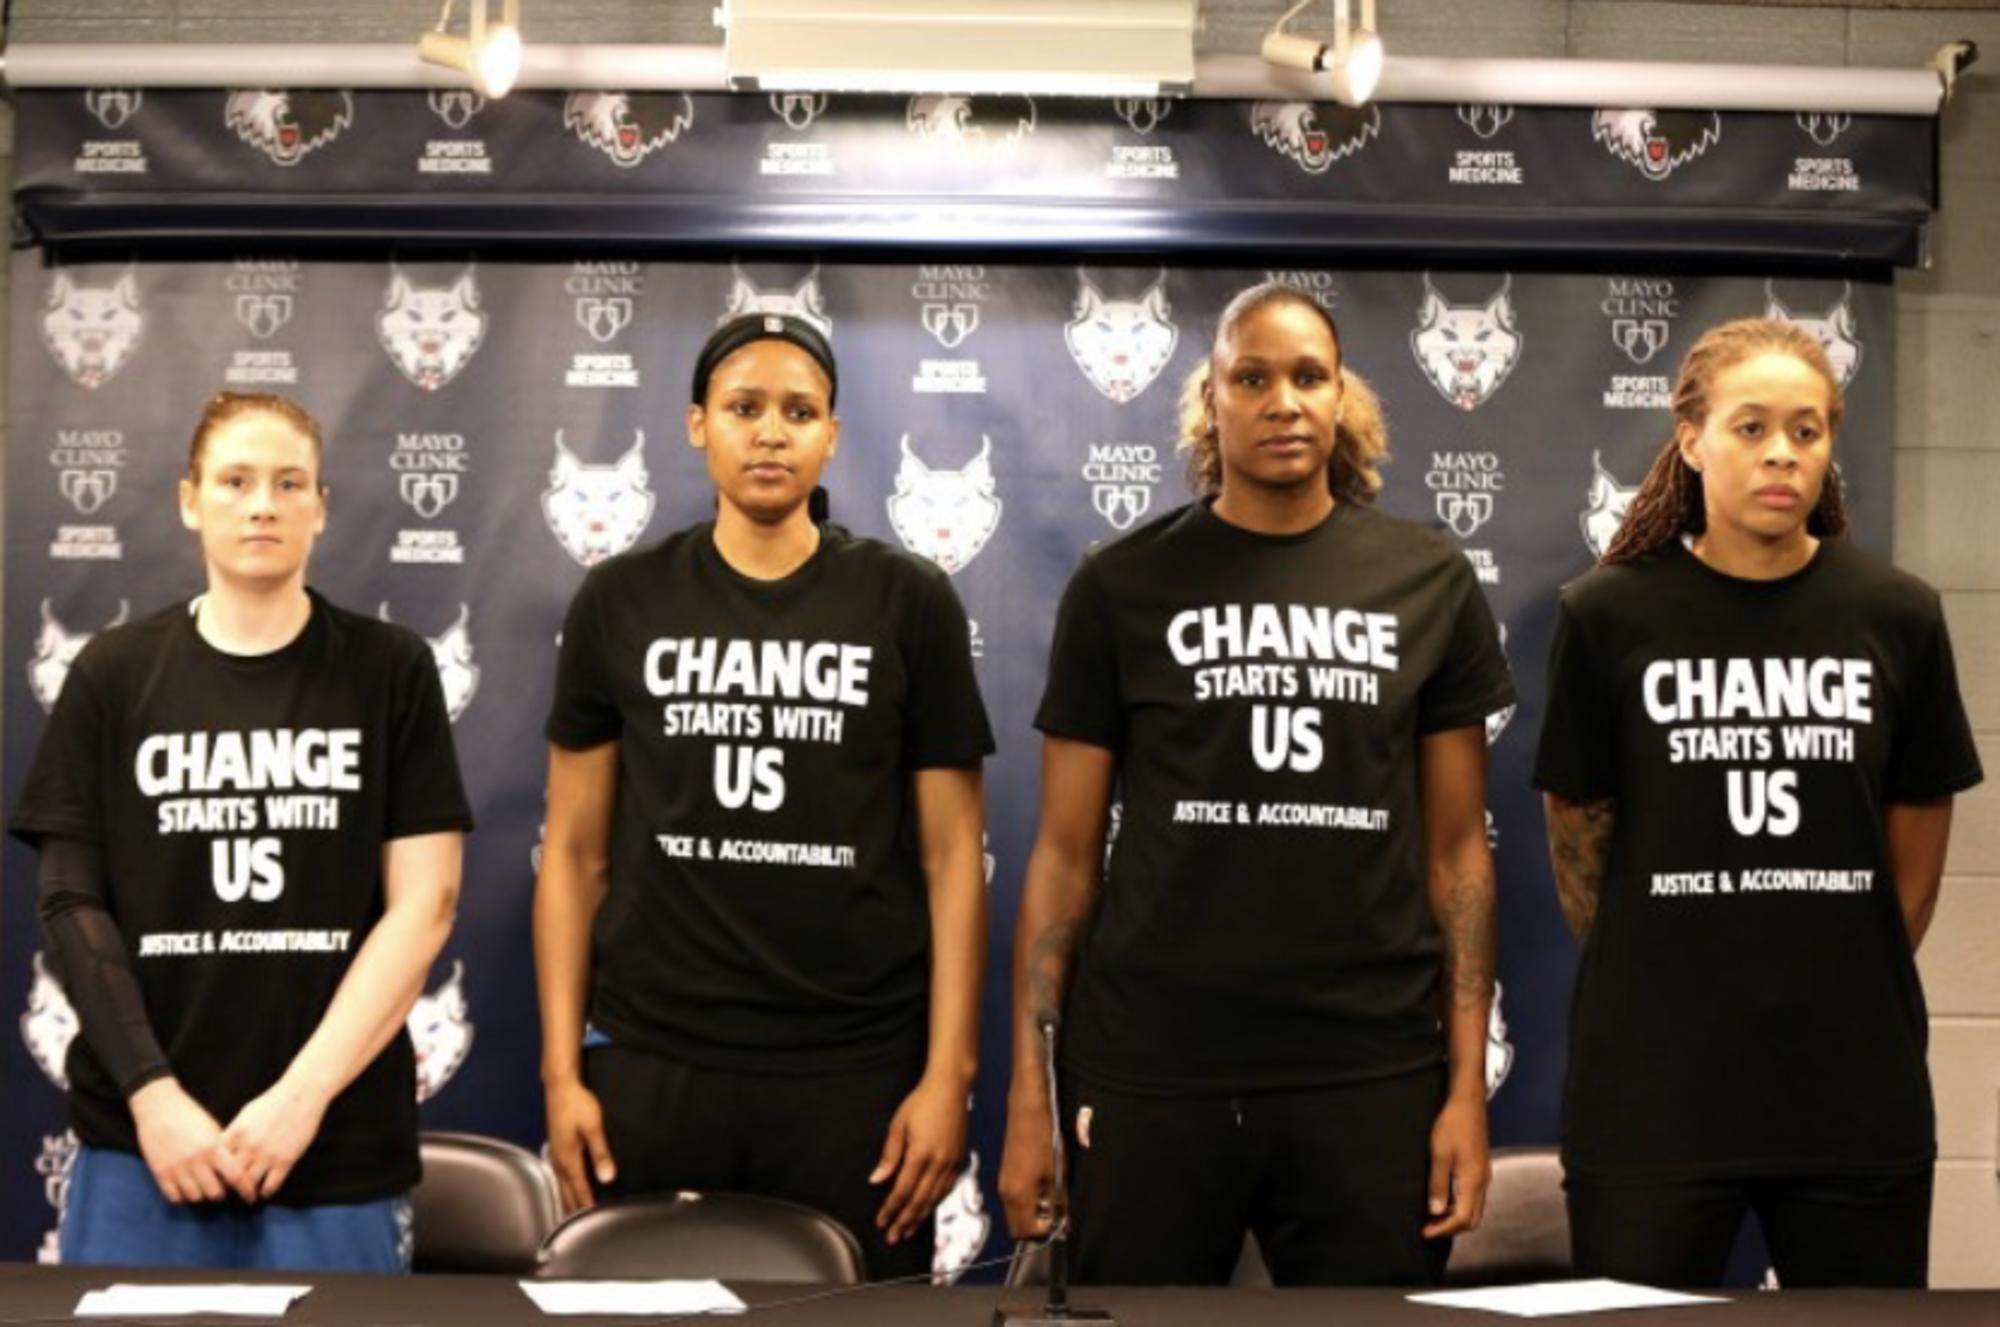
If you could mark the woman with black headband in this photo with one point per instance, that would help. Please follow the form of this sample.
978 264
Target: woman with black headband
760 924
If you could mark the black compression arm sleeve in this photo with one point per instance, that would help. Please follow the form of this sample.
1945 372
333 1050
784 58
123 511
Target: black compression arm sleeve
92 963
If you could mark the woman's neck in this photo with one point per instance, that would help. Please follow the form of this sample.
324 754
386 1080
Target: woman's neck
1265 510
249 620
765 551
1752 557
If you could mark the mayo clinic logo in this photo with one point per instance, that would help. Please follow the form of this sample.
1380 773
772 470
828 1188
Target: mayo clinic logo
1464 484
113 108
429 470
607 298
87 463
427 494
264 296
452 155
1641 315
949 301
1121 477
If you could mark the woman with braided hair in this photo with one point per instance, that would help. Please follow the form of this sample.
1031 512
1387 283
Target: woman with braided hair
1275 1000
1752 742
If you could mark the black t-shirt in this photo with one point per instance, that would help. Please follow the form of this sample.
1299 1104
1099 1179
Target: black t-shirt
1265 923
1747 1002
767 909
241 804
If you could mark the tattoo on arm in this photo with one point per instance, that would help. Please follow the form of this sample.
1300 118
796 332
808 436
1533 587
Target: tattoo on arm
1465 911
1048 966
1580 851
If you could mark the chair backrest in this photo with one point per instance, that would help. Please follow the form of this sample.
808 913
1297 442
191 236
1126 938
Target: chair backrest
1525 1235
727 1236
483 1205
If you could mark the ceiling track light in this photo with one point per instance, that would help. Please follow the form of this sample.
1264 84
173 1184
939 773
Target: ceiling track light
1353 64
488 55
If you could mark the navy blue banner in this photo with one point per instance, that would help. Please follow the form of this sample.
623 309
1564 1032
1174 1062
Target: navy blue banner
1383 184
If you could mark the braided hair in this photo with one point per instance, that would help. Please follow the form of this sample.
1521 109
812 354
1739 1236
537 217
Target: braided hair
1361 438
1669 503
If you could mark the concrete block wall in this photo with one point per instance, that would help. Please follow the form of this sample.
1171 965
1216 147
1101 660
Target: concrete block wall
1948 414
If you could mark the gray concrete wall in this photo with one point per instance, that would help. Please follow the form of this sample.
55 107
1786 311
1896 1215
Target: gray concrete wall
1948 415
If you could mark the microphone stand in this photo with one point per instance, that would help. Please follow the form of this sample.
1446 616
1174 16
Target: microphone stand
1057 1309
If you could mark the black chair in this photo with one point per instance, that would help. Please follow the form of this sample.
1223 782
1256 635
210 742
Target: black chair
726 1236
483 1205
1525 1236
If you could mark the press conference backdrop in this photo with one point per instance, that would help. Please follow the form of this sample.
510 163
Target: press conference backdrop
497 423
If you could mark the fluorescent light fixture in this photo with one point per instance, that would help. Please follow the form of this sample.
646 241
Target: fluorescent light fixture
1353 64
490 57
1096 48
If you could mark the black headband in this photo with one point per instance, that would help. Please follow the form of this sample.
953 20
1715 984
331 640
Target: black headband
737 333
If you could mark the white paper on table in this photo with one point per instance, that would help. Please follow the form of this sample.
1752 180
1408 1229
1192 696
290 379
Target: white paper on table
1549 1299
648 1297
155 1301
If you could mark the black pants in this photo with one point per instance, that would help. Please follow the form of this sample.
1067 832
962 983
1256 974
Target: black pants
810 1140
1830 1231
1332 1181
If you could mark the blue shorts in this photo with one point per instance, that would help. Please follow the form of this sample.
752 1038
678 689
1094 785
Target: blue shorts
114 1214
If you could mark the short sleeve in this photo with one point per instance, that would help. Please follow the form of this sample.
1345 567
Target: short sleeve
1471 680
1081 698
945 721
426 795
64 794
1931 752
1575 759
584 712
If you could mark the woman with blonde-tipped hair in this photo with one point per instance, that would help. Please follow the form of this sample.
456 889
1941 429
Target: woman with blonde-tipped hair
1752 742
1274 1002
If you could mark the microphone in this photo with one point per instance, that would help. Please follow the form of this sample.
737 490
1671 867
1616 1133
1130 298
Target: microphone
1057 1309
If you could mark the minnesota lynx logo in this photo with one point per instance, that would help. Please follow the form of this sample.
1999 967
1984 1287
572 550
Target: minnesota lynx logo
93 330
113 106
1466 350
1606 506
1821 127
1656 143
802 301
430 332
945 515
50 1024
628 127
1499 1050
58 1157
441 1032
1121 345
1834 329
596 511
452 652
1485 121
56 648
962 1227
285 126
1142 115
975 123
799 109
455 106
1315 134
1496 724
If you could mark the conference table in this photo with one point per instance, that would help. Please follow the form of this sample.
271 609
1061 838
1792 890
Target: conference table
44 1295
